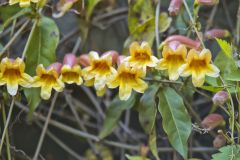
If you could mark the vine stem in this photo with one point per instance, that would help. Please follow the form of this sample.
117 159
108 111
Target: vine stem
40 142
6 124
14 37
157 24
7 135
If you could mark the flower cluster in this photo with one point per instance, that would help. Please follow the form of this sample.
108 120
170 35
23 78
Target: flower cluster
100 71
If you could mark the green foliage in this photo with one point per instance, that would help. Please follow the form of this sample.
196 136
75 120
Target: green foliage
226 47
136 158
176 121
228 153
152 143
147 108
7 12
91 4
114 112
234 75
40 49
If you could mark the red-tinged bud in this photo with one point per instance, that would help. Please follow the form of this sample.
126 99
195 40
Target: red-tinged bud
212 121
184 40
84 60
220 98
207 2
219 141
217 33
174 7
174 45
57 66
70 59
120 59
114 54
144 151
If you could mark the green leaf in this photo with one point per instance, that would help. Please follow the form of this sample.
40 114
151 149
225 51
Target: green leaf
7 11
176 121
140 11
136 158
234 75
147 108
40 49
226 47
228 153
91 4
114 112
152 142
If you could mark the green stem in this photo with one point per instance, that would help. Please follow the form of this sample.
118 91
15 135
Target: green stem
29 39
6 124
7 135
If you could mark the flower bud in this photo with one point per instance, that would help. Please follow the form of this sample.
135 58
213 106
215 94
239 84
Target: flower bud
114 55
184 40
220 98
219 141
144 151
174 7
70 59
120 59
174 45
212 121
207 2
84 60
57 66
217 33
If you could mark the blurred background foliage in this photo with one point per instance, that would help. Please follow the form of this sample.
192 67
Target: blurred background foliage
103 25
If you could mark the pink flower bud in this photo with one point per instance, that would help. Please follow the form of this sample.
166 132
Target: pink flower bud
219 141
120 59
57 66
174 7
212 121
217 33
70 59
184 40
114 55
84 60
220 98
207 2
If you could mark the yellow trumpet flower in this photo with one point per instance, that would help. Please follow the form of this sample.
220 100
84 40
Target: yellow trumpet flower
172 60
12 74
198 65
48 79
141 56
71 72
100 72
23 3
128 78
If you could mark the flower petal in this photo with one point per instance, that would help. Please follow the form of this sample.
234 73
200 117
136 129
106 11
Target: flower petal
12 88
212 71
101 92
184 70
162 64
124 91
198 78
46 92
140 86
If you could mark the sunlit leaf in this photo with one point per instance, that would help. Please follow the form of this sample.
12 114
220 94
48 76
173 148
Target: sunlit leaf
234 75
176 121
147 108
114 112
226 47
40 49
228 153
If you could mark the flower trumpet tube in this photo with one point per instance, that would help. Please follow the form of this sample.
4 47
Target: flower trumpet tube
84 60
71 72
23 3
174 7
183 40
114 54
172 60
216 33
100 72
48 79
141 56
128 79
12 74
198 65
